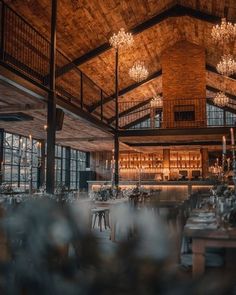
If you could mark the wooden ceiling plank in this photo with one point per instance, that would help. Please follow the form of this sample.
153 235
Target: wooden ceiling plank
151 77
21 107
125 90
162 144
210 68
128 111
175 11
86 139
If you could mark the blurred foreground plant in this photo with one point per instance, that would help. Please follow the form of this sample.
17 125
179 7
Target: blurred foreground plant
52 251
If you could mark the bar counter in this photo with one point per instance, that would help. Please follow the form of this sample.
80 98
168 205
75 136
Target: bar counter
170 190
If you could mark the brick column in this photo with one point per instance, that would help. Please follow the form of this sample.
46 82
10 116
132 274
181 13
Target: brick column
184 84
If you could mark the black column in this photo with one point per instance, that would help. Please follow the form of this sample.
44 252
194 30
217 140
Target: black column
51 116
116 138
67 168
1 155
224 117
41 166
87 160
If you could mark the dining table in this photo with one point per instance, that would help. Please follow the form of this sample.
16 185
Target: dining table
202 227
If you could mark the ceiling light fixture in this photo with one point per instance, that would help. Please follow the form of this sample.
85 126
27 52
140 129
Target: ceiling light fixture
221 100
224 32
227 65
138 72
156 102
121 39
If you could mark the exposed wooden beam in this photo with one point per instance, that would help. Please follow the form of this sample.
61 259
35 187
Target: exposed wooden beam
145 102
84 139
130 110
175 11
212 69
125 90
84 115
139 120
174 131
135 122
22 107
151 77
173 143
215 90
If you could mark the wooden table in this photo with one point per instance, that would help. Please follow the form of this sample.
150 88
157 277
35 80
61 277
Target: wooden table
206 238
111 205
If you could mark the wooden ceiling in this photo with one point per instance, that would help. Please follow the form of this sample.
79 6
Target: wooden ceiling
85 25
75 133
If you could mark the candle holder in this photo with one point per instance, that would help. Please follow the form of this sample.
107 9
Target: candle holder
223 167
234 168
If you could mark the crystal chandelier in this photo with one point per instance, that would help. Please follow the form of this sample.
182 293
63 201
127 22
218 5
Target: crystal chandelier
156 102
121 39
221 99
227 65
138 72
224 32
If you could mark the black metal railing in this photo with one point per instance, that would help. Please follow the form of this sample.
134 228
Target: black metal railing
26 51
187 113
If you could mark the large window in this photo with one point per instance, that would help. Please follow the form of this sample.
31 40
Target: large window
22 158
21 161
217 117
60 165
77 164
147 123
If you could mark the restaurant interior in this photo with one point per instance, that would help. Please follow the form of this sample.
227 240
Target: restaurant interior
117 146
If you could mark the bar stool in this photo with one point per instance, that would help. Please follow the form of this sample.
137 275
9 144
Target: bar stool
102 214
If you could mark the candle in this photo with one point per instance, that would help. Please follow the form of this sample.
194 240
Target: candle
224 144
20 147
228 163
31 142
232 135
106 164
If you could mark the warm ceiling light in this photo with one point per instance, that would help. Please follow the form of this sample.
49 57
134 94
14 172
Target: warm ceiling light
138 72
224 32
227 65
221 99
121 39
156 102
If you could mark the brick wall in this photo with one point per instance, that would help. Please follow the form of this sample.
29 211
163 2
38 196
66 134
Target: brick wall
184 83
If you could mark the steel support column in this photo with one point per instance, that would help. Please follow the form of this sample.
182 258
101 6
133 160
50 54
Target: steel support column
51 115
116 137
41 164
67 167
1 155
